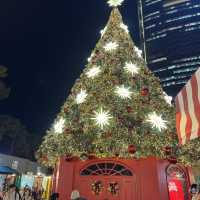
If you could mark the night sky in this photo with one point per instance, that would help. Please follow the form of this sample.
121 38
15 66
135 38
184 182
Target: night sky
45 45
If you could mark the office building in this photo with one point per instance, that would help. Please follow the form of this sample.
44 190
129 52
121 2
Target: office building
170 39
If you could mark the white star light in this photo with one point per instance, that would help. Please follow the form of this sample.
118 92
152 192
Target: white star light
124 27
115 3
123 92
103 31
111 46
80 97
90 58
102 118
131 68
167 98
138 51
59 125
157 121
93 72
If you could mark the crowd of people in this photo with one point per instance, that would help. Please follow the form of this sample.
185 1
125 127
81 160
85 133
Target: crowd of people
27 193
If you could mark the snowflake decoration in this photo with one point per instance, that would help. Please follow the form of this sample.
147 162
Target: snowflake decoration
93 72
59 125
157 121
124 27
131 68
103 31
111 46
138 51
123 92
167 98
90 58
80 97
102 118
115 3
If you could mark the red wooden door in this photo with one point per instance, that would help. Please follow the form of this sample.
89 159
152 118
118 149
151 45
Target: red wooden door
107 181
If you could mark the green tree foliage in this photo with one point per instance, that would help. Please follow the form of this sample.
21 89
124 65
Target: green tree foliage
117 102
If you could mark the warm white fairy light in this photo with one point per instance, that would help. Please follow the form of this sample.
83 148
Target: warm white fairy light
131 68
81 96
115 3
59 125
111 46
138 51
123 92
90 58
157 121
124 27
93 72
102 118
103 31
167 98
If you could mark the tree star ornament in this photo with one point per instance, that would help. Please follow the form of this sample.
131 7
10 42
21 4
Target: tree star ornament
138 51
102 118
123 92
167 98
115 3
59 125
111 46
157 121
93 72
131 68
81 96
124 27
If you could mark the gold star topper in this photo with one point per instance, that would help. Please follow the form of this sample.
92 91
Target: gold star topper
115 3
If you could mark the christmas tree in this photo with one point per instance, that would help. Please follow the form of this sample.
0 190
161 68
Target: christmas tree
116 107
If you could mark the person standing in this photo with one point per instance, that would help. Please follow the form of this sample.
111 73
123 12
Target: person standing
12 194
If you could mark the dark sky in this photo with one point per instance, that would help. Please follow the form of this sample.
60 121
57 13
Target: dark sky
45 45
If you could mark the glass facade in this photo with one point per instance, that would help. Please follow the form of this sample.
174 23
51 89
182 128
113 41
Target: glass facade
170 31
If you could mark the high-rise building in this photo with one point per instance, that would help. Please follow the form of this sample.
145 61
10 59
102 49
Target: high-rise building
170 38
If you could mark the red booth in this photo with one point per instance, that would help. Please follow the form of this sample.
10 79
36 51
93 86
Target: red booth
122 179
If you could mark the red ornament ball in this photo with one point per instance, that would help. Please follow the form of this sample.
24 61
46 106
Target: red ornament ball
131 149
129 109
144 91
168 150
172 160
65 110
91 156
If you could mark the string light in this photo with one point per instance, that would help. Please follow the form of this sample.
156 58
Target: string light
59 125
124 27
138 51
167 98
103 31
93 72
81 97
90 58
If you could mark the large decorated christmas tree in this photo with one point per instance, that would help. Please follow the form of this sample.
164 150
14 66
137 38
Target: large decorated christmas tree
116 107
